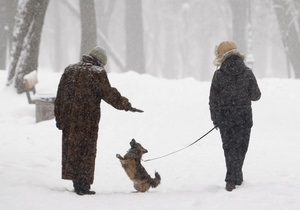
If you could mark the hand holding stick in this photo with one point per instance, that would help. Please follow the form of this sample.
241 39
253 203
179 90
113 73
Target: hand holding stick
132 109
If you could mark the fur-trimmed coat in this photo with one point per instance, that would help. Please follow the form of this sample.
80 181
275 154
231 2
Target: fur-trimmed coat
233 88
77 113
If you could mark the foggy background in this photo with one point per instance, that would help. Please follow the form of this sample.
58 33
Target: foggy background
170 39
165 38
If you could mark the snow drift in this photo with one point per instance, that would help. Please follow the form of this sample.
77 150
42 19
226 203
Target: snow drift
176 114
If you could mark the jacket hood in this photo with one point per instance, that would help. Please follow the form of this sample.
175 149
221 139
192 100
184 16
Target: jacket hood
232 63
218 61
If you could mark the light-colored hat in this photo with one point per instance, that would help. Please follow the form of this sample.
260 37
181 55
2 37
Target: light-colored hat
222 49
99 54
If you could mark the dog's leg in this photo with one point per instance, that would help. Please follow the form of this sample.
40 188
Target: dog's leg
122 160
119 157
135 191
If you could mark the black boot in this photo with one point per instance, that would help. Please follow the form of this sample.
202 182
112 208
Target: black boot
230 186
238 182
82 188
88 192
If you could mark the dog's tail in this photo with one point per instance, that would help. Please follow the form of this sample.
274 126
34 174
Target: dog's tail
156 181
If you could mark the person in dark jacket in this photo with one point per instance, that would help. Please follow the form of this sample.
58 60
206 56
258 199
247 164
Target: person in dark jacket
77 112
233 88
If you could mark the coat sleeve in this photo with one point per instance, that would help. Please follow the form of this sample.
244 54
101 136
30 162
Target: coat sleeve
58 104
254 90
110 94
213 99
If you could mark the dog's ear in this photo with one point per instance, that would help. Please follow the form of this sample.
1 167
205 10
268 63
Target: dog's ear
133 142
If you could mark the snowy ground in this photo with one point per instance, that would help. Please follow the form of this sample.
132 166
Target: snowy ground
176 114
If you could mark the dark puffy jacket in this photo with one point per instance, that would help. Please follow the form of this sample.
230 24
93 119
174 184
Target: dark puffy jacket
233 88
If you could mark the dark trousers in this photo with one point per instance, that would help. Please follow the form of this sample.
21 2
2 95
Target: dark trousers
235 141
79 186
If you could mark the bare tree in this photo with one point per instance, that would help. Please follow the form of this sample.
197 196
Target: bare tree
134 36
58 37
8 9
102 38
239 23
105 10
287 13
104 16
88 25
26 40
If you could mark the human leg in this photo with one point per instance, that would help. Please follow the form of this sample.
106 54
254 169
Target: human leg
235 145
82 188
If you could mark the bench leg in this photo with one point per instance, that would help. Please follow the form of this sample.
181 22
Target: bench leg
44 111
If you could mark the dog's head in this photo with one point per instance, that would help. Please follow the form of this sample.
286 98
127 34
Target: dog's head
137 147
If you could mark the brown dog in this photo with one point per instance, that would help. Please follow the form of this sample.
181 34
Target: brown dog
131 163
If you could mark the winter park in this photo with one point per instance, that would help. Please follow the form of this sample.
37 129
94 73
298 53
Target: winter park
166 73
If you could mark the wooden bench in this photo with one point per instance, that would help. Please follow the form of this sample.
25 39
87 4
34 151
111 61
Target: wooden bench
44 104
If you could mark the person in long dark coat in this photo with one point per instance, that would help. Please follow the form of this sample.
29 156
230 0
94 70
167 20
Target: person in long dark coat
233 88
77 112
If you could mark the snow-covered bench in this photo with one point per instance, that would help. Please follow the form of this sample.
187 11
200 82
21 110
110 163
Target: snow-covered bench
44 103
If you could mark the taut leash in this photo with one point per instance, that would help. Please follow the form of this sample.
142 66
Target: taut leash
171 153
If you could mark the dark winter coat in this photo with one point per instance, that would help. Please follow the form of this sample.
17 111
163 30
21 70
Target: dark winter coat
77 113
233 88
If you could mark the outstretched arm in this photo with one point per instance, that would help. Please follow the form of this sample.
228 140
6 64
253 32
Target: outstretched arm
110 94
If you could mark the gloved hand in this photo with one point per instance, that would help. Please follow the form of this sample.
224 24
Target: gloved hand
216 125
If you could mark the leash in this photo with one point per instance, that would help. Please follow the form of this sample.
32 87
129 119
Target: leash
171 153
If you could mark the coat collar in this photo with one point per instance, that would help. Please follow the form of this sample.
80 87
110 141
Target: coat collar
91 60
218 61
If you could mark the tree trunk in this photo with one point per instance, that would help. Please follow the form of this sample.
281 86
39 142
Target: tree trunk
102 39
289 23
58 37
26 40
134 36
106 9
8 9
88 26
104 16
239 23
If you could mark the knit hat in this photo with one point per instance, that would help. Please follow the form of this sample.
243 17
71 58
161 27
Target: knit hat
99 54
221 49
